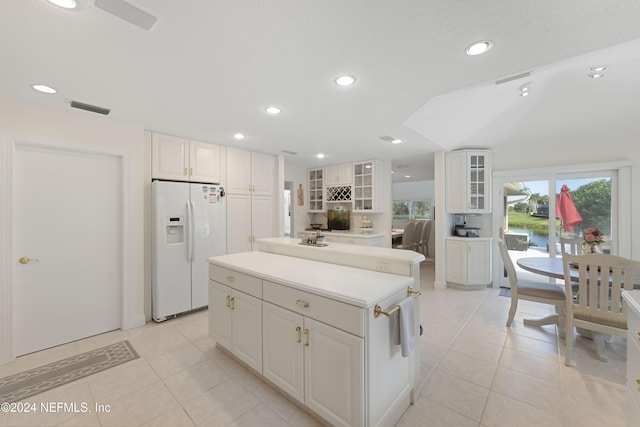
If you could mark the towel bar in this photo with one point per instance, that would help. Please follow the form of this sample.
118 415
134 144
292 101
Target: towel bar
377 310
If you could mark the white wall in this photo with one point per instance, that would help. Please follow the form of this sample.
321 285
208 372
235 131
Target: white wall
416 190
31 119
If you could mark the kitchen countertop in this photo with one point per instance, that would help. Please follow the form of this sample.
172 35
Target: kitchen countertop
633 299
387 260
359 287
355 233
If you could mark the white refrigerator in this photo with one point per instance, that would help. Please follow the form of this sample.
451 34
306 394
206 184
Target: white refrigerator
189 226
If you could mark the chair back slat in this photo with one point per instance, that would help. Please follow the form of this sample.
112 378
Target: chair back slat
601 279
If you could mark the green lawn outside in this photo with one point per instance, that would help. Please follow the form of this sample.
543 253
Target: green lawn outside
538 225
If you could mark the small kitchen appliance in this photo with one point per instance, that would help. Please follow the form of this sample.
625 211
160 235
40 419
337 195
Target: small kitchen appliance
460 228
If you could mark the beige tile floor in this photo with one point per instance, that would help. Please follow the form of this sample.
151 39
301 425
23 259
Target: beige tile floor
475 372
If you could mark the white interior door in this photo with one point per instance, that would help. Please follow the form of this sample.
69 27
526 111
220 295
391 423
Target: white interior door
68 223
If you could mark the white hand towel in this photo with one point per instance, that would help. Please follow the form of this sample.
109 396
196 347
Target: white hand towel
402 327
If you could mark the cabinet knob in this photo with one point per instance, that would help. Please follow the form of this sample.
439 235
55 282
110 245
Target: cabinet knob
231 279
306 337
228 301
638 335
298 337
233 303
302 303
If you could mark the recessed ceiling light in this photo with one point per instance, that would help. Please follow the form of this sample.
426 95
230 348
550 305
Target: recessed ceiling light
478 48
44 88
67 4
598 68
407 176
272 110
396 141
320 156
392 172
345 80
524 93
596 75
238 135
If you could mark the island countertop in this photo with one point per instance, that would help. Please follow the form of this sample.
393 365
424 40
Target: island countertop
384 254
359 287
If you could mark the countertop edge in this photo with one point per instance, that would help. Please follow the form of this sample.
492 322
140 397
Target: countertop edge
633 299
399 282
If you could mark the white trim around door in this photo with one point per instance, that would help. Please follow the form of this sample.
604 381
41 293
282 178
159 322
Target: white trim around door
129 317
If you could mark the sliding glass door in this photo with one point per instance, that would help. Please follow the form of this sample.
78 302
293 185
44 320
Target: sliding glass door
533 226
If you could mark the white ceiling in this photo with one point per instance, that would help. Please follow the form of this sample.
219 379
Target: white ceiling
207 69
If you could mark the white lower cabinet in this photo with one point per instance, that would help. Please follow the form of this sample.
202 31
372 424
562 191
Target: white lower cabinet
248 218
468 261
317 364
235 320
335 358
633 356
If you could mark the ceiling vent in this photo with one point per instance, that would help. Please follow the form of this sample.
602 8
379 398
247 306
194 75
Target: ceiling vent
387 138
127 12
512 78
89 107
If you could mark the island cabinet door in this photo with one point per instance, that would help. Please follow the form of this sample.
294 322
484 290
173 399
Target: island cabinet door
334 373
246 329
283 350
220 314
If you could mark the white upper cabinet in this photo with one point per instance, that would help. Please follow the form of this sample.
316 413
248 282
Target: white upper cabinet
367 186
316 190
180 159
468 181
204 162
341 174
250 173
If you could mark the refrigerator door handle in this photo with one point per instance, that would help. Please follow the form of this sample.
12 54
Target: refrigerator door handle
189 231
192 221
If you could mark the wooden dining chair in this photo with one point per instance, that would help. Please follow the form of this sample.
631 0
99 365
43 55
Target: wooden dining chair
543 292
571 245
598 305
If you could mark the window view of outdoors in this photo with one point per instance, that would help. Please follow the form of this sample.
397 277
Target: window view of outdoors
527 213
412 209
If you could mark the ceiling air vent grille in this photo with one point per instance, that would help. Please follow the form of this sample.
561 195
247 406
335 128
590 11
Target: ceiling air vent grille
89 107
512 78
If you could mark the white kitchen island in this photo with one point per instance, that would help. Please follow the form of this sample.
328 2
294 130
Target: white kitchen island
310 328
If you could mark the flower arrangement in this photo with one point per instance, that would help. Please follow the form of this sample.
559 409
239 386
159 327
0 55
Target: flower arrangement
591 240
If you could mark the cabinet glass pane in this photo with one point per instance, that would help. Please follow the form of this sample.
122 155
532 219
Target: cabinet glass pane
481 175
474 175
358 180
368 180
481 189
358 169
319 174
368 192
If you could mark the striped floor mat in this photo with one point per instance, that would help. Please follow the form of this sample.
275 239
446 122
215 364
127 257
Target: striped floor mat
29 383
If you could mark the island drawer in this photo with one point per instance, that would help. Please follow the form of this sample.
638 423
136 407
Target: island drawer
344 316
240 281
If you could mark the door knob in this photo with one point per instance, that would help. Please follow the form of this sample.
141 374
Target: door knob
27 260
